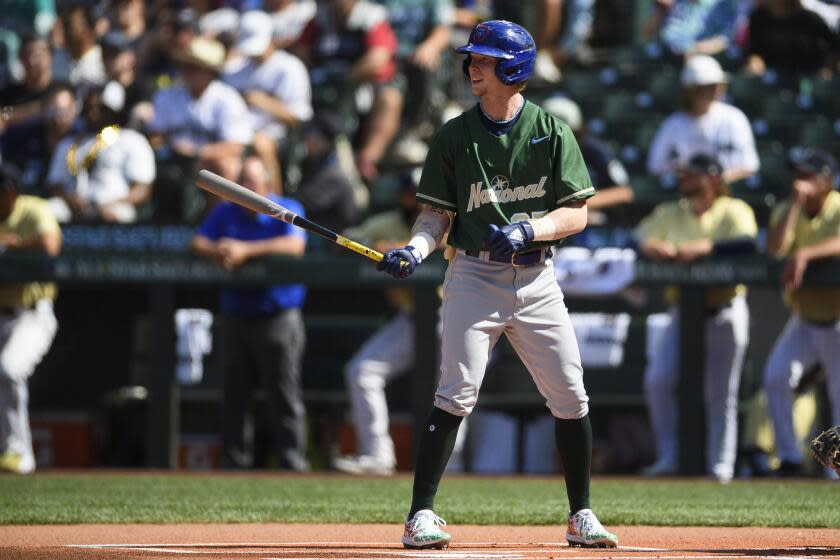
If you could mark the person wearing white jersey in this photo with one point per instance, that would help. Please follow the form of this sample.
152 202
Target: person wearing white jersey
704 124
105 172
805 228
204 119
275 86
27 322
705 221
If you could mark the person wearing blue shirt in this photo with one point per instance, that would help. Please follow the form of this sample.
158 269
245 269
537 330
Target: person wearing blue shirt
262 336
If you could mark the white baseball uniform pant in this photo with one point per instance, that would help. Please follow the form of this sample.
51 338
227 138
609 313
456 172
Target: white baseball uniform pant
800 346
25 337
727 336
482 300
384 356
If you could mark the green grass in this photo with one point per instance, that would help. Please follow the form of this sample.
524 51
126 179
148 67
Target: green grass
162 498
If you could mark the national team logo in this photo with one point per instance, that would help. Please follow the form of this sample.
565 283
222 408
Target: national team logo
498 184
499 191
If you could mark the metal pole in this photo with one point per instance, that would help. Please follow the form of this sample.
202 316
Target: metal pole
692 430
163 421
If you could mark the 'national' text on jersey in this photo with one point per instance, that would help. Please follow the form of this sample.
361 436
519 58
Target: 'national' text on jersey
479 196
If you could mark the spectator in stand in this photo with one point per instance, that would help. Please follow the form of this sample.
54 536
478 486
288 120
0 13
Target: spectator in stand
678 24
423 30
171 36
27 321
705 221
565 26
29 145
129 24
704 124
17 20
606 171
805 229
290 18
275 86
725 27
263 336
82 54
103 173
325 190
22 100
351 43
788 38
123 78
203 123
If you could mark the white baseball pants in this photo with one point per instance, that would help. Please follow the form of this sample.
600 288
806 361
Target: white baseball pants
800 346
727 335
482 300
25 337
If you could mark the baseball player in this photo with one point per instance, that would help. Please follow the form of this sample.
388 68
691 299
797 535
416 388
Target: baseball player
705 221
507 180
27 322
805 228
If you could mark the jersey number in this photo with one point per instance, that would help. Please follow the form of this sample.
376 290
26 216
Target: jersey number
521 216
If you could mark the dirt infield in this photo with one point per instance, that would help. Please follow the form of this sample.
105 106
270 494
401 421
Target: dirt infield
381 542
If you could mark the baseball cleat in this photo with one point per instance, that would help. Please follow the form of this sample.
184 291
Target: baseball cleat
424 531
16 463
586 531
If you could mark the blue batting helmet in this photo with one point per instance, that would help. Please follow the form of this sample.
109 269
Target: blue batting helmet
507 41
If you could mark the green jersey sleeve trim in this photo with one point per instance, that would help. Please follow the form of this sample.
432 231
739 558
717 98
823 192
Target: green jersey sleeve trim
584 193
437 201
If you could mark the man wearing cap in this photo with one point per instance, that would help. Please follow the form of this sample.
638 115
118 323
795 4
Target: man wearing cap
27 322
804 228
704 222
105 172
704 124
203 121
275 86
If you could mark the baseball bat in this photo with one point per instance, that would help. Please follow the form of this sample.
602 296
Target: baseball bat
238 194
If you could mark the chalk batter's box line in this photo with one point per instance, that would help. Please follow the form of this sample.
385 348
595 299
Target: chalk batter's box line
358 545
515 551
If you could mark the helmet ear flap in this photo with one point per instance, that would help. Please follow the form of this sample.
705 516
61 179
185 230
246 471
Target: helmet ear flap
466 65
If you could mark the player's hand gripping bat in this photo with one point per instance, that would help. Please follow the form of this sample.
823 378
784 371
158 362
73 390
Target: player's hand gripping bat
238 194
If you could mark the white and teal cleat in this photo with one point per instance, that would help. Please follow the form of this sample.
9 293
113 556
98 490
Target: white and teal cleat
586 531
424 531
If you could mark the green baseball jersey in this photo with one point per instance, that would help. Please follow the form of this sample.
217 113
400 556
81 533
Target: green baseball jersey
487 179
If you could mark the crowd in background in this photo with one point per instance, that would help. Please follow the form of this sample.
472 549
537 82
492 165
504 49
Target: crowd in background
109 108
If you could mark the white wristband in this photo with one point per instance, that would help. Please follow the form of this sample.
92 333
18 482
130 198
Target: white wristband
424 243
544 229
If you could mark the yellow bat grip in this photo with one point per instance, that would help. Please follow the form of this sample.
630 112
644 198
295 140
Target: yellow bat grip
359 248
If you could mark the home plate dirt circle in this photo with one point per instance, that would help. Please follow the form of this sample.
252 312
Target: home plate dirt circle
381 542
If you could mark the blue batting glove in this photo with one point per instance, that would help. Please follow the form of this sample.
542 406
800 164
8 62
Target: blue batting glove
509 239
400 263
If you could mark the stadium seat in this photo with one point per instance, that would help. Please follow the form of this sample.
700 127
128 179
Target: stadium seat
748 92
821 133
586 89
663 85
774 175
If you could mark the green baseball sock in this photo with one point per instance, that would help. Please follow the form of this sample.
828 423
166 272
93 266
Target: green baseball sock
574 442
436 444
